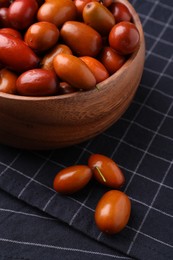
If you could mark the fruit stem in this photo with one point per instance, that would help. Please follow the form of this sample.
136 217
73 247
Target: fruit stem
101 174
97 88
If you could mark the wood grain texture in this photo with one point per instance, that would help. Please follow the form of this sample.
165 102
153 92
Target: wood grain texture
60 121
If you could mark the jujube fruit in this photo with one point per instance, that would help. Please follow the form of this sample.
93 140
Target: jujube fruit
120 12
15 54
21 13
98 17
96 67
72 179
41 36
112 212
124 38
57 12
37 82
81 38
112 60
106 171
66 66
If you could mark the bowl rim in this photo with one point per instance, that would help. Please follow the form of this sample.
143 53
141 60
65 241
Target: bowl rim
100 85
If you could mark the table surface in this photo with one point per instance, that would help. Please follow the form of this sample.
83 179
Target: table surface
38 223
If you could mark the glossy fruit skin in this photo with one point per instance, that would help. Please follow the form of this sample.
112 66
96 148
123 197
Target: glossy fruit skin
15 54
47 61
112 60
96 67
120 12
21 13
81 38
98 17
66 66
8 81
112 212
124 38
72 179
37 82
41 36
80 4
12 32
4 21
57 12
113 176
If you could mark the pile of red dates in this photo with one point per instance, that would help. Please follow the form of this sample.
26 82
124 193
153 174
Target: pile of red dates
54 47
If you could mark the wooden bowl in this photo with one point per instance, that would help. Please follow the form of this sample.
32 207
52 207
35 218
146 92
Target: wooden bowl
64 120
